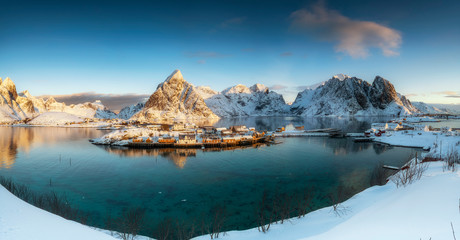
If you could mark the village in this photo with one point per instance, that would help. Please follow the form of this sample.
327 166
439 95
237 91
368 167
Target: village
190 135
182 135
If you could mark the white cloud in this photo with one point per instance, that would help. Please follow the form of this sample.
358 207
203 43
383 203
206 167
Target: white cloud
352 37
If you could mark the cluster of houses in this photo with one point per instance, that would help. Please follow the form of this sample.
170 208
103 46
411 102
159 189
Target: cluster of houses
377 129
189 134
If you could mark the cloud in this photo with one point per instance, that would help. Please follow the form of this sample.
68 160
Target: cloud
352 37
411 95
286 54
448 93
278 87
114 102
232 22
201 61
453 96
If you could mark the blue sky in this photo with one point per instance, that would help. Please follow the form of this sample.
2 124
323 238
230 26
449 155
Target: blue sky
110 47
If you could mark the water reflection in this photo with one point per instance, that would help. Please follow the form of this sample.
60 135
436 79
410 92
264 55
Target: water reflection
347 124
22 139
340 146
11 139
381 148
178 156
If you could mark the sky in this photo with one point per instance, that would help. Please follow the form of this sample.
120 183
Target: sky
121 50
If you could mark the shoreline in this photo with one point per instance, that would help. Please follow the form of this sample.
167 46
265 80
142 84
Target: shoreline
324 224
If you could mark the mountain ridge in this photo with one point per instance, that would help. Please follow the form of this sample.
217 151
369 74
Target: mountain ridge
175 98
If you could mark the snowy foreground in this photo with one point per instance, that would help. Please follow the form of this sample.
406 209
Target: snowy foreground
22 221
423 210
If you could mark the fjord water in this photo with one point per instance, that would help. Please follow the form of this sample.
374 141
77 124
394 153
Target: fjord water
187 185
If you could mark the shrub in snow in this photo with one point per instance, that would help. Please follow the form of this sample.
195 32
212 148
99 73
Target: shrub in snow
338 197
128 224
409 174
451 160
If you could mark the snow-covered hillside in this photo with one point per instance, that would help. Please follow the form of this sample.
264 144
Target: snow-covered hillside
345 96
174 98
426 108
240 100
54 119
129 111
14 106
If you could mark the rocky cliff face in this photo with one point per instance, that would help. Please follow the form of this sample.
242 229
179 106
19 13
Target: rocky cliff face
240 100
175 98
345 96
12 106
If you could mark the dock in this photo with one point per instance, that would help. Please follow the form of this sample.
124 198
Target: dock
391 167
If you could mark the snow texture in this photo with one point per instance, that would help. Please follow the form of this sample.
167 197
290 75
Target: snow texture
22 221
240 100
346 96
22 106
129 111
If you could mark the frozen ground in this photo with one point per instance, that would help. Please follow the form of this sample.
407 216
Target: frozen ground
55 118
22 221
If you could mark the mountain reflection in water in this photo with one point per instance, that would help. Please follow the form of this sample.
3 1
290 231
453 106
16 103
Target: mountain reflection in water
22 139
177 155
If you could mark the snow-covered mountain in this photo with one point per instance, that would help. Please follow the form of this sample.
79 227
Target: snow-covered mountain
14 106
174 98
240 100
345 96
129 111
429 109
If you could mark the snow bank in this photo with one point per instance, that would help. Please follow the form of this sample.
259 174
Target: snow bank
423 210
55 118
428 140
22 221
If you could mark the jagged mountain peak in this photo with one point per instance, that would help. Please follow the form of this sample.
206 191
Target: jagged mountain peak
258 88
50 100
174 98
175 76
239 88
341 76
9 85
352 96
27 94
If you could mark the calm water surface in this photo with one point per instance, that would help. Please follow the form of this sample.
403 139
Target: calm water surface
188 184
